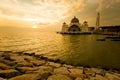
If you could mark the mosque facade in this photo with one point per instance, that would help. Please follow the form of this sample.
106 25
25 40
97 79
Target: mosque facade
75 26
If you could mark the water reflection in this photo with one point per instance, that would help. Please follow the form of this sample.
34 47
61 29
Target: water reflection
74 49
85 50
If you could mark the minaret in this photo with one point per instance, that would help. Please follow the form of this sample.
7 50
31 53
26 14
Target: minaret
64 27
98 20
85 26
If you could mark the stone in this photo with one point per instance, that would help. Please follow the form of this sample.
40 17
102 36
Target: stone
6 56
53 64
31 54
8 73
24 64
27 77
2 78
99 77
110 76
89 72
98 71
38 62
59 77
45 75
78 79
68 66
17 58
4 66
77 73
1 54
27 69
44 69
7 62
61 70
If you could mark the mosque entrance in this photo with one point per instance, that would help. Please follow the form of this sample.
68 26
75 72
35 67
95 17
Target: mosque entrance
74 28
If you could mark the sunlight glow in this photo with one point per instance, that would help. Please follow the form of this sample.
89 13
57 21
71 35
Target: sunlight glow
34 26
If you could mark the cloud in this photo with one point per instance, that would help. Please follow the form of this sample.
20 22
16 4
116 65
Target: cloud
105 4
41 10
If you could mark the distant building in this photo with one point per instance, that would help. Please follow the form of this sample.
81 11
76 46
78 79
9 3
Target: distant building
75 26
98 20
110 28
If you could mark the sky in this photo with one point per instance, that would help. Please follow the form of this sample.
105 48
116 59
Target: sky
49 13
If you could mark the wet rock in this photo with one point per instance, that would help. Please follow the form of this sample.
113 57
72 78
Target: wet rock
78 79
89 72
43 57
2 78
27 77
4 66
37 56
8 73
68 66
59 77
77 73
99 77
7 62
53 64
19 53
57 61
31 54
98 71
45 69
110 76
26 53
26 69
17 58
61 70
1 53
37 62
7 51
45 75
24 64
6 56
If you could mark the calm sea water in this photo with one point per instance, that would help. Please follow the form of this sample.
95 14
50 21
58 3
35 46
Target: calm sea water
74 49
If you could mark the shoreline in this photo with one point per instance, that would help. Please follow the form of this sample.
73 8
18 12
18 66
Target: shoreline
20 65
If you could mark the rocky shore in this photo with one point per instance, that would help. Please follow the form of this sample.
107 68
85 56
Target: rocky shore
26 66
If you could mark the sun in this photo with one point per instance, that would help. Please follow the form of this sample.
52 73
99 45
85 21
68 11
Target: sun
34 26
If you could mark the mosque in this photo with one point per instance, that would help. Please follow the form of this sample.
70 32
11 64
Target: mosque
75 27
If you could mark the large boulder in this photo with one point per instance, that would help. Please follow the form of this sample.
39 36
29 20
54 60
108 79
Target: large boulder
26 77
98 71
24 64
44 69
111 76
7 62
99 77
59 77
37 62
8 73
89 72
27 69
53 64
32 76
61 70
4 66
77 73
68 66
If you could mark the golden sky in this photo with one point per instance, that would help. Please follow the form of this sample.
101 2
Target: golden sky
26 13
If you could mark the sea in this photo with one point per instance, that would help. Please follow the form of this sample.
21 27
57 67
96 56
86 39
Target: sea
73 49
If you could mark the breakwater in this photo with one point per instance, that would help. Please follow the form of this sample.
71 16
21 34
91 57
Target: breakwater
31 66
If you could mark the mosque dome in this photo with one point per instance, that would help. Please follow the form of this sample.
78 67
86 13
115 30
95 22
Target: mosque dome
75 20
85 21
